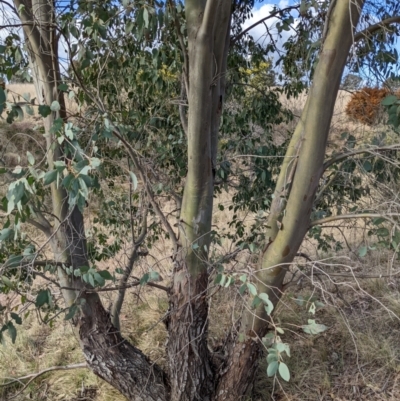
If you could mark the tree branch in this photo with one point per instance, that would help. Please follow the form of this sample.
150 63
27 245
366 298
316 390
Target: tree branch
376 27
272 15
117 305
149 192
117 288
34 376
341 156
44 263
353 216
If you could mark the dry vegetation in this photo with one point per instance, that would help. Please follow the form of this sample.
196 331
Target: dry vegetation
357 358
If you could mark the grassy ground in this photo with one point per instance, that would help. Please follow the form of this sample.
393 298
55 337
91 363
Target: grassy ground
357 358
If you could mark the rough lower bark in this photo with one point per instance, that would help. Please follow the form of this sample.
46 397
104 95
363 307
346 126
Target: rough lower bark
243 359
107 353
115 360
191 374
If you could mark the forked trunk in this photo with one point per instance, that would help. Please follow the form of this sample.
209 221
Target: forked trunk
191 372
294 196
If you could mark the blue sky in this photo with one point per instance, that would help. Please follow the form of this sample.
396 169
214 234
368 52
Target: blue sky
259 4
262 10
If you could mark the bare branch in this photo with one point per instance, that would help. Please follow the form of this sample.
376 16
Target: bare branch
386 216
117 288
149 191
135 284
384 24
34 376
117 305
272 15
342 156
44 263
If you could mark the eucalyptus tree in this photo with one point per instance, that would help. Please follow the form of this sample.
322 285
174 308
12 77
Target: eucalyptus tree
188 53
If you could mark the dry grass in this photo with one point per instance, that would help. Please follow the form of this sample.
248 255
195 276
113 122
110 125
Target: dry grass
18 92
356 359
39 347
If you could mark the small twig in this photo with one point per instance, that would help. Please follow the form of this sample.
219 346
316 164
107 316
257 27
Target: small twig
342 156
386 216
105 289
34 376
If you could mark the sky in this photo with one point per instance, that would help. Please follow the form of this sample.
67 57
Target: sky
262 10
261 3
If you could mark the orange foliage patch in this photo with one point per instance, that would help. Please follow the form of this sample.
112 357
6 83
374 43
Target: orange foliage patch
364 104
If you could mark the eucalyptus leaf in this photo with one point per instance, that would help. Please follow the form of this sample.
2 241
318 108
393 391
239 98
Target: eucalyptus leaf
284 371
272 368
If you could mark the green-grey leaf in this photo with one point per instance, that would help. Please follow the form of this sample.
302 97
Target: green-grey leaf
6 233
95 162
264 297
63 87
91 279
12 331
362 251
134 180
154 276
44 110
16 317
2 100
284 371
71 312
31 159
146 17
106 275
252 289
49 177
7 281
99 279
55 106
272 368
145 279
389 100
42 298
314 328
272 358
29 110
